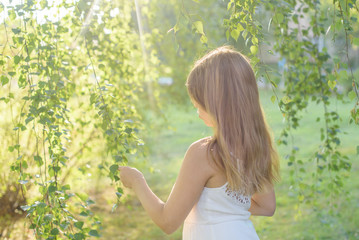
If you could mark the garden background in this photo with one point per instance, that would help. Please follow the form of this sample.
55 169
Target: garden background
88 85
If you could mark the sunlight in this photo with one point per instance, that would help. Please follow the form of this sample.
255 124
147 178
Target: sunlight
52 13
144 54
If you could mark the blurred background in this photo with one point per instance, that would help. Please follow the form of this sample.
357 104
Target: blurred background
122 65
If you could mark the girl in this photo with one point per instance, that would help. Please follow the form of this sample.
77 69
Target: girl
224 178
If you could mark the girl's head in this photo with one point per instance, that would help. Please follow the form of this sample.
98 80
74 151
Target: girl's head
223 85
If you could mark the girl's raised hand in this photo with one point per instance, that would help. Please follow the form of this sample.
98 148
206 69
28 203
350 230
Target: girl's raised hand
130 176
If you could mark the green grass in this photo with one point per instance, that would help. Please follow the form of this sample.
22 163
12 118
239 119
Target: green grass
168 141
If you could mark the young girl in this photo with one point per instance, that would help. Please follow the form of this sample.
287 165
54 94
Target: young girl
224 178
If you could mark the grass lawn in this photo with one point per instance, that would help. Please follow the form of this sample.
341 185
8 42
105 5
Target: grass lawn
168 142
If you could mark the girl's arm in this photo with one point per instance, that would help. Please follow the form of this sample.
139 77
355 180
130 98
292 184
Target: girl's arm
193 175
263 204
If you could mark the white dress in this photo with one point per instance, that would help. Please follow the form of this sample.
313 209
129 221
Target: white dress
220 214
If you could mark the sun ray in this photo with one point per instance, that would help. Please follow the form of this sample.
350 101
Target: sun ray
144 56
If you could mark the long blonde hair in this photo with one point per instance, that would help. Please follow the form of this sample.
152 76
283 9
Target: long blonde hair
224 85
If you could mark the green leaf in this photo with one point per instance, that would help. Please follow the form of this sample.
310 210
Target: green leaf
12 14
56 169
240 28
356 41
279 17
4 80
24 164
52 188
94 233
273 84
48 217
128 130
43 4
29 119
286 99
102 66
235 34
84 214
38 160
11 149
352 95
82 5
199 26
332 84
41 205
79 225
254 49
65 187
82 196
244 34
58 134
79 236
273 99
21 81
88 35
113 168
16 30
55 231
64 225
203 39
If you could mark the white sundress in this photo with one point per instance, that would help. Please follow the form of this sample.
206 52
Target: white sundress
220 214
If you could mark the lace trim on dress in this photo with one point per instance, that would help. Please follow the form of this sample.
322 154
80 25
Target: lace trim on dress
238 198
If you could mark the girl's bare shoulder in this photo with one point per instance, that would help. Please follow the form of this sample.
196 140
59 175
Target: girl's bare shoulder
202 158
200 146
199 151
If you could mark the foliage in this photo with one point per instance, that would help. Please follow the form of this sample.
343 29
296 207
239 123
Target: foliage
80 58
